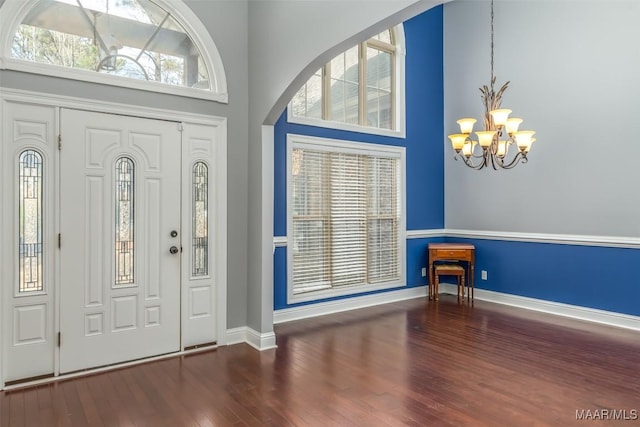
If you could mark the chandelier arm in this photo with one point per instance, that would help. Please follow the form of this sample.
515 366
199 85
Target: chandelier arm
469 163
520 156
476 167
496 162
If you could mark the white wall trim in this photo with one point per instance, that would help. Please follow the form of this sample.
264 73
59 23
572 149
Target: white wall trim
330 307
425 234
236 335
559 309
280 241
261 342
266 231
18 95
250 336
561 239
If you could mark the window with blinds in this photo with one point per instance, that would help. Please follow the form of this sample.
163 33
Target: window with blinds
346 217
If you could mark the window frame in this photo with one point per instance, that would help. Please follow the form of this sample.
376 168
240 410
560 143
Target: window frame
397 98
13 12
42 223
193 274
348 147
125 158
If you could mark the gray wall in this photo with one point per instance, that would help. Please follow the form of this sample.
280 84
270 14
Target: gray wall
573 67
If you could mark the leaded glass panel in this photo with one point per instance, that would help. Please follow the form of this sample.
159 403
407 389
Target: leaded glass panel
125 209
30 246
200 245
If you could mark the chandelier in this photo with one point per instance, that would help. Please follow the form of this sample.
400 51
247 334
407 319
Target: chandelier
495 143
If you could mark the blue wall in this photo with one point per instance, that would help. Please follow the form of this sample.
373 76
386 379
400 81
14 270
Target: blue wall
588 276
424 144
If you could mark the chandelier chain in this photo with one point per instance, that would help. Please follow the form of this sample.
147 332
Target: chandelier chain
491 81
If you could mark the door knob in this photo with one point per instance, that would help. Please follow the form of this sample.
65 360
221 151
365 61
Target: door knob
173 250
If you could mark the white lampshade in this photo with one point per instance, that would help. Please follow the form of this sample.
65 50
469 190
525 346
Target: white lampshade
485 137
503 146
500 116
457 141
526 146
466 125
524 139
512 125
468 147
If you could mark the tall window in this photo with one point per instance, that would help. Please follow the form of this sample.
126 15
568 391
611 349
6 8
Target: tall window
30 215
200 200
125 209
346 221
358 87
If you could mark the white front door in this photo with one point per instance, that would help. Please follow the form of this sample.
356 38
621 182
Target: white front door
120 239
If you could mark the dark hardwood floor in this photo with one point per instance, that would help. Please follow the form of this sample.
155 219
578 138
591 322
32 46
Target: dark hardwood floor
407 363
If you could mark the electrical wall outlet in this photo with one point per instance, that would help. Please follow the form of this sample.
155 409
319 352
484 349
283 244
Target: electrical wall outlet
424 271
484 275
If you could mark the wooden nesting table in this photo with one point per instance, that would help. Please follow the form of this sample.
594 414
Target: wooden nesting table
452 252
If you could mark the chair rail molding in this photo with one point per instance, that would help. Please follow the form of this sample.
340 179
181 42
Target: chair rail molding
561 239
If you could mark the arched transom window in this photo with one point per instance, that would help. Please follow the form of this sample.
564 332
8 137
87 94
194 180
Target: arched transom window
360 88
141 40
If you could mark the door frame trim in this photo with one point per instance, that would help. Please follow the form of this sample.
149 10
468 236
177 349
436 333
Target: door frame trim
220 179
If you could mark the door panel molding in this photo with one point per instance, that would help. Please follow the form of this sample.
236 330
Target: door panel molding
27 331
216 129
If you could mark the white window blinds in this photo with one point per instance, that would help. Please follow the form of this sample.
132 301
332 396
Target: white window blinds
345 217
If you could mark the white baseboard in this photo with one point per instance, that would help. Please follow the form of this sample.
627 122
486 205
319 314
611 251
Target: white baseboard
573 311
252 337
236 335
268 340
320 309
261 341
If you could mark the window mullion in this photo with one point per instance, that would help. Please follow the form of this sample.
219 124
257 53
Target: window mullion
394 89
326 91
362 86
381 45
